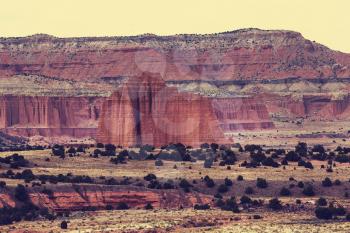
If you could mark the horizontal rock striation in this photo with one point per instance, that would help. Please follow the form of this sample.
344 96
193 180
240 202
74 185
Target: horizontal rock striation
146 111
242 113
50 116
85 197
247 54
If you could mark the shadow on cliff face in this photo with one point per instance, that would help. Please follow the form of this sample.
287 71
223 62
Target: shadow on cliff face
146 111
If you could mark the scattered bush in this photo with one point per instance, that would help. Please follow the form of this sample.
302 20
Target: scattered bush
322 202
309 191
158 163
150 177
148 206
249 191
327 182
222 188
275 204
209 182
300 184
228 182
21 193
323 213
285 192
261 183
201 207
245 200
122 206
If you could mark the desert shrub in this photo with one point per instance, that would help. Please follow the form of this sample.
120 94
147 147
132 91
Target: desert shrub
301 148
228 182
284 162
342 158
150 177
222 188
58 150
318 149
261 183
97 152
72 150
239 177
27 174
81 149
309 191
249 191
327 182
15 161
148 206
337 211
204 146
172 156
209 182
208 163
64 225
322 202
270 162
285 192
300 184
48 192
184 184
256 216
308 165
323 213
158 163
168 185
201 207
2 184
275 204
258 156
21 193
245 200
228 157
337 182
329 169
122 206
100 145
292 156
214 147
229 205
109 207
252 148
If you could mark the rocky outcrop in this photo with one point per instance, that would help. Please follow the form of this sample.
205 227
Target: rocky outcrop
247 54
272 67
49 116
242 113
315 107
146 111
84 197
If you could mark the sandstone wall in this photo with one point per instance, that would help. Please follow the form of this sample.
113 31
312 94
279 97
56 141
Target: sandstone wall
242 113
48 116
80 197
239 55
146 111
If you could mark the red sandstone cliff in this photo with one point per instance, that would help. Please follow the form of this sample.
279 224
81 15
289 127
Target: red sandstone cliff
146 111
49 116
238 55
80 197
242 113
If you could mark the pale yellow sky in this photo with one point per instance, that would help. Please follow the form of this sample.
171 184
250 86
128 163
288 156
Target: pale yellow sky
325 21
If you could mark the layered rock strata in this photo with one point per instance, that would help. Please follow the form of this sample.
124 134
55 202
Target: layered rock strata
146 111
